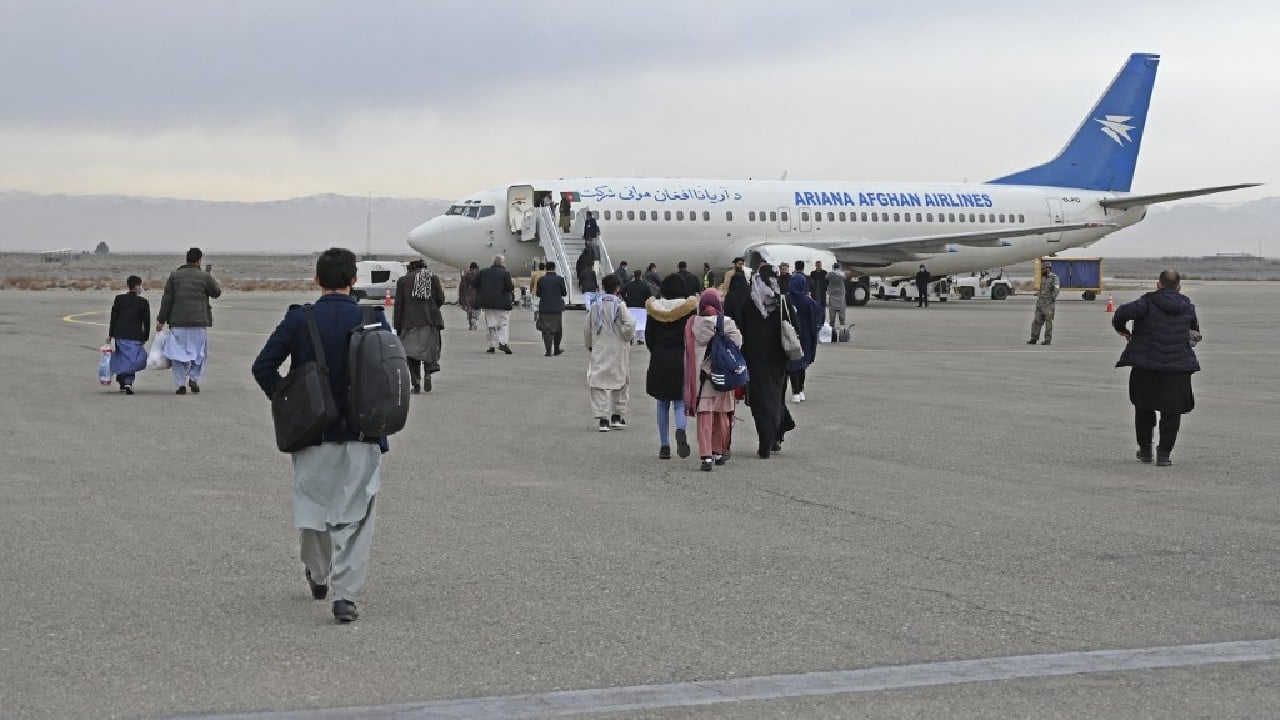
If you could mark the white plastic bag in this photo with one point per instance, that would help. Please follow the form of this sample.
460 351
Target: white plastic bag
156 359
824 334
104 365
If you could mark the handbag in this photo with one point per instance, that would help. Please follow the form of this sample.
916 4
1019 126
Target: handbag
790 339
302 406
1194 337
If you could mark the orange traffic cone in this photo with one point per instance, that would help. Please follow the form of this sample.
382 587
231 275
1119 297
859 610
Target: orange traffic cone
387 301
1111 302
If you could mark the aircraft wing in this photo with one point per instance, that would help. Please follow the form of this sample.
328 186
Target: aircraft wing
938 243
1130 201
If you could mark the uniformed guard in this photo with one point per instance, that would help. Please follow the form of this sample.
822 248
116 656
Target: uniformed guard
1045 300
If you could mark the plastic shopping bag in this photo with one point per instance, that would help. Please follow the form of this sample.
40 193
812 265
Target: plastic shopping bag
104 365
156 359
824 335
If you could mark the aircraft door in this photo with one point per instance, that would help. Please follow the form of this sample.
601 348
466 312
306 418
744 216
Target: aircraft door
784 219
519 203
1055 217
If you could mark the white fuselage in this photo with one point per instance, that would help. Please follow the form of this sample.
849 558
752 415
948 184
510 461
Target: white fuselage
665 221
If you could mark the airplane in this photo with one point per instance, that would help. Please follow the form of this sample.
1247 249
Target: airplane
873 228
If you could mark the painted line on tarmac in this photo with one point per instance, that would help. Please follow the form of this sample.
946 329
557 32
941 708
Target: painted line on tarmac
776 687
74 319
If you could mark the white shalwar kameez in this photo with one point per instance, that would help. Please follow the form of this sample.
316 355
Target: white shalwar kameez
334 485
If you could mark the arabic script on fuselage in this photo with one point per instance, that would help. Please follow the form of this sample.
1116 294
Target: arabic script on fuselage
665 194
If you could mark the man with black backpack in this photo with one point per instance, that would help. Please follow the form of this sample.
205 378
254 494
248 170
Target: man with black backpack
336 472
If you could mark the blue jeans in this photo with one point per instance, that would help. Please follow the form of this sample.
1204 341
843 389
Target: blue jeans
664 419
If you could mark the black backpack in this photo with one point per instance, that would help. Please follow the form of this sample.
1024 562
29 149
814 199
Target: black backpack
378 371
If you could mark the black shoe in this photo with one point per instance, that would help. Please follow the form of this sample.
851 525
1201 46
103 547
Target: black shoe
1144 454
604 425
764 454
682 443
416 388
505 349
344 611
617 422
181 391
548 354
777 446
1162 459
195 386
1047 342
1032 341
491 351
127 389
707 464
558 352
719 459
664 452
319 592
426 384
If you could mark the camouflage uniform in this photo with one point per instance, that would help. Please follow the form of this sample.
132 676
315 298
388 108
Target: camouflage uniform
1045 300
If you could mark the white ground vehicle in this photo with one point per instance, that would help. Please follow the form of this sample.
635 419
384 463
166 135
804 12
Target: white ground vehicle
983 287
905 289
375 278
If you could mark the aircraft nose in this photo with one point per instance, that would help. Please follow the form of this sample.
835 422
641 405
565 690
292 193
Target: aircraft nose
426 237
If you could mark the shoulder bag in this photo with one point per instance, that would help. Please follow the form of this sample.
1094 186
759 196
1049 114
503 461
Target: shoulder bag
302 406
790 339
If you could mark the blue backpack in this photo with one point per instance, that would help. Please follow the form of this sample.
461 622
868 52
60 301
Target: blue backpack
728 367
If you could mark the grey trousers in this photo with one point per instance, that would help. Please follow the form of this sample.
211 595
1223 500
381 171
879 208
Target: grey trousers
339 556
834 313
1044 316
605 403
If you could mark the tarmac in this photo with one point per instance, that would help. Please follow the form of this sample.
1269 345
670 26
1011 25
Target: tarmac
954 529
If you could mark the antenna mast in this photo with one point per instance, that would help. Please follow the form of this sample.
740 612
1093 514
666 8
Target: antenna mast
368 226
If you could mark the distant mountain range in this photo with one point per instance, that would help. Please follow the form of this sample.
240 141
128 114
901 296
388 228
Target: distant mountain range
33 222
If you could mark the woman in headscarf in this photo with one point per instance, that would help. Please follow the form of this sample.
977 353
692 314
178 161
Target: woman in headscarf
761 325
714 408
664 381
418 322
807 319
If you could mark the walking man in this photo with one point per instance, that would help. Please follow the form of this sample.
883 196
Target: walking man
1046 298
335 480
551 291
608 333
467 296
129 327
418 322
185 308
495 293
835 295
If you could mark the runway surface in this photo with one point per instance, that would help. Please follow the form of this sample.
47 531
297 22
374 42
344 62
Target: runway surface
952 494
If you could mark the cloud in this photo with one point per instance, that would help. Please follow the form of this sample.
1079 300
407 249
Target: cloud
276 99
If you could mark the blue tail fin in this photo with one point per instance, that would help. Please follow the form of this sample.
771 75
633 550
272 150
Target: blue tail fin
1103 152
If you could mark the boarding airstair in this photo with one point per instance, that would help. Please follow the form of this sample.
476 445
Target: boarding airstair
564 249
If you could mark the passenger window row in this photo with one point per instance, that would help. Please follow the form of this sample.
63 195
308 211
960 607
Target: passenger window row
818 216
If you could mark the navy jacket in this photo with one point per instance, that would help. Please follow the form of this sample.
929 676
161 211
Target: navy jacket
336 316
1161 324
806 318
494 289
551 292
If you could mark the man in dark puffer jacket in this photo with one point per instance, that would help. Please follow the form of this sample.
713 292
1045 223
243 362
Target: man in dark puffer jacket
1159 351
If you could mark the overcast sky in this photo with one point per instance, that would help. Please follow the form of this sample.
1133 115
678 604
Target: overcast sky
268 99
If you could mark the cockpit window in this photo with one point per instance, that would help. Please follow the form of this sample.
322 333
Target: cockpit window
471 211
